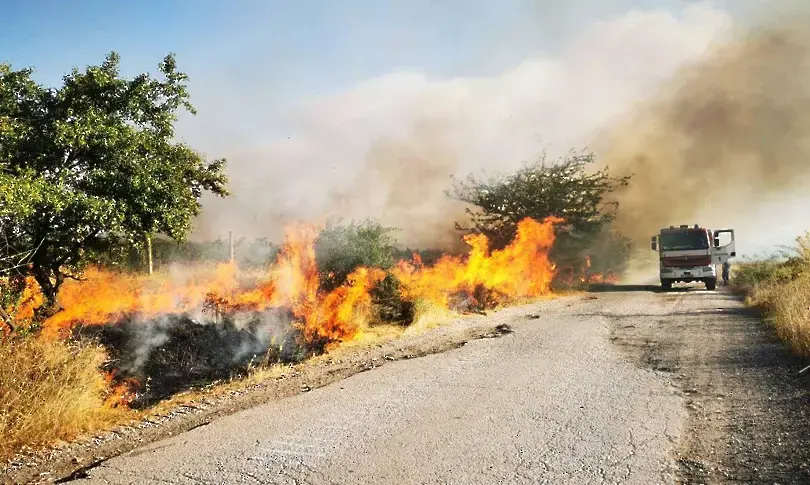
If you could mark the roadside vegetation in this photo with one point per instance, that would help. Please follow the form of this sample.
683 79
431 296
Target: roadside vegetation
780 286
94 185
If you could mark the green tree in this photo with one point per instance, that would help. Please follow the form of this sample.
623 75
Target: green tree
565 189
95 160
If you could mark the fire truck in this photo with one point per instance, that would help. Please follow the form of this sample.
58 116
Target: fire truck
690 254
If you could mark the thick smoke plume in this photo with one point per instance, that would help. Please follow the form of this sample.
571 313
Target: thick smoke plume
710 115
387 147
725 136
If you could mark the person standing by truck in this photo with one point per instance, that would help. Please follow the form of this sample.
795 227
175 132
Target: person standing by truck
726 269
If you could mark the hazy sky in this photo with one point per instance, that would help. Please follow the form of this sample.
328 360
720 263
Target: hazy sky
285 51
286 89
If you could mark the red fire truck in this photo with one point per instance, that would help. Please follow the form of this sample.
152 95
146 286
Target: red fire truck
690 254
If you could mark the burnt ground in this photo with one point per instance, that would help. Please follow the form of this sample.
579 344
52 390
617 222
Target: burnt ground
161 357
748 407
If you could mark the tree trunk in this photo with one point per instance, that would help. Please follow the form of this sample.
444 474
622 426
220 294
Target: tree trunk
149 252
43 276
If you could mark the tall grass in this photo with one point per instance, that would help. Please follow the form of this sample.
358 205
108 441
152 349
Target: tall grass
50 391
781 287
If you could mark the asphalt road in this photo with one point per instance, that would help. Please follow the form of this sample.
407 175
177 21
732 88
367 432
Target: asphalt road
613 387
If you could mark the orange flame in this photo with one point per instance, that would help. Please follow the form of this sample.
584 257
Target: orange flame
520 270
105 297
22 312
122 393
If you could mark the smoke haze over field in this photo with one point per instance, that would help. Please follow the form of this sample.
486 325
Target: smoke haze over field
687 96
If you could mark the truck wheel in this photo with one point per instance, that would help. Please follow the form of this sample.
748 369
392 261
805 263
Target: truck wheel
666 284
711 285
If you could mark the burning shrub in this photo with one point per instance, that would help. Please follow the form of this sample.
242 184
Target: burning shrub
389 305
566 190
50 391
20 299
342 248
584 257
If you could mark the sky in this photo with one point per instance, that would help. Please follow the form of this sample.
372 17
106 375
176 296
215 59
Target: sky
338 89
298 49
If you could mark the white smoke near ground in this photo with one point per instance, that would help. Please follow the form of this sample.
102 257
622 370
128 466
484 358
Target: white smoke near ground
145 338
184 343
201 338
387 147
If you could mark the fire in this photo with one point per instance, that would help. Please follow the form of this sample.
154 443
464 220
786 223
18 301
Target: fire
520 270
120 393
482 277
22 312
336 316
597 278
105 297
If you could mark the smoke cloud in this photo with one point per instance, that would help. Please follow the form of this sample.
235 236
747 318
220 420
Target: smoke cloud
387 147
724 137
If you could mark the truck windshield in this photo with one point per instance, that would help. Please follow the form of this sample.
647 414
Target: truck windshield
684 240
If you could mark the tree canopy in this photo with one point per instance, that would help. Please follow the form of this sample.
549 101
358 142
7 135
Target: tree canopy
566 189
95 160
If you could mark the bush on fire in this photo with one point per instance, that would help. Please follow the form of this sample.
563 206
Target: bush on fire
564 189
341 248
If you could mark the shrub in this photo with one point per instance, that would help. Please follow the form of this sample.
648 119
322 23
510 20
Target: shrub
342 248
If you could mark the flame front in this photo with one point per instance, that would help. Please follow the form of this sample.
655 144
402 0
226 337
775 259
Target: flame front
520 270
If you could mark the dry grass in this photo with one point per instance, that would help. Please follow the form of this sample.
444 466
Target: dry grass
781 287
427 315
50 391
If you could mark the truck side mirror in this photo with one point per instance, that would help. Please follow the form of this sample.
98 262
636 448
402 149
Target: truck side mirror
733 253
654 244
717 242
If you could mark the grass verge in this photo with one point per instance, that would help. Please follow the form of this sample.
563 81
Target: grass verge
51 391
780 286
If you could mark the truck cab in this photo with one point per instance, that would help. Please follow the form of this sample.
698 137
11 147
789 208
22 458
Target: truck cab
690 254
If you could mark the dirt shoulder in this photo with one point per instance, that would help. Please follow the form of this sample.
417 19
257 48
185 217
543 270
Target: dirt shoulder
748 408
71 461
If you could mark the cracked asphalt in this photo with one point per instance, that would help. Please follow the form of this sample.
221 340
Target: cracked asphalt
611 387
